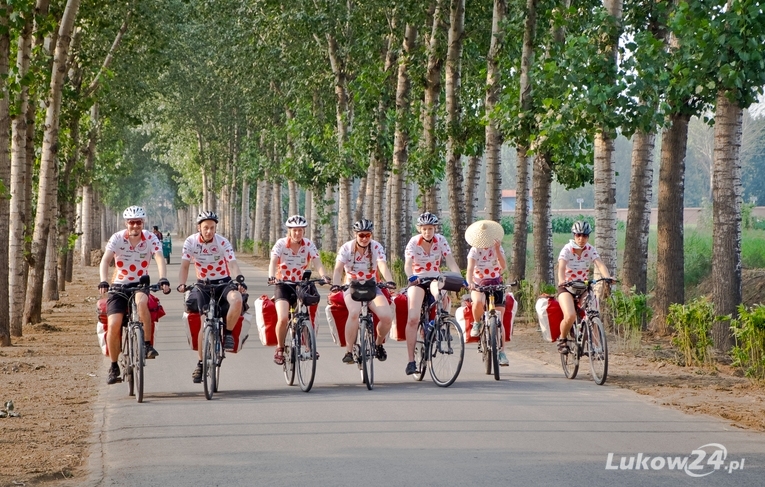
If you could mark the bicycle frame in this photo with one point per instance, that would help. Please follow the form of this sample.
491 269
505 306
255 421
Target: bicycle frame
213 351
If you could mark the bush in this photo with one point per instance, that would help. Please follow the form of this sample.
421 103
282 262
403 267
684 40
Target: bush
698 258
692 323
328 260
749 333
629 313
247 245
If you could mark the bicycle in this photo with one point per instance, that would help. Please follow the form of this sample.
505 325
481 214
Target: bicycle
587 337
440 344
364 351
133 355
213 351
491 334
300 343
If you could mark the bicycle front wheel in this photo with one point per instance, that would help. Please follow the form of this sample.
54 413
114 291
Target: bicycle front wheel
598 350
218 355
446 351
208 361
366 335
420 358
494 345
485 349
570 360
305 355
289 356
138 351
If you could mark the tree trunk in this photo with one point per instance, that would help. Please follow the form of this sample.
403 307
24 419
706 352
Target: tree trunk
86 240
457 203
472 178
47 190
605 201
329 233
726 208
244 224
635 268
670 274
543 246
277 218
5 177
262 223
292 187
493 135
50 284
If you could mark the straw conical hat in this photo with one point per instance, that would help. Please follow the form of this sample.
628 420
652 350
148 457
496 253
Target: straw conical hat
483 233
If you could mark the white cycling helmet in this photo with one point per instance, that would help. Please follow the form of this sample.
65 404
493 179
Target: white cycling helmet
296 221
363 225
581 226
133 212
427 218
206 215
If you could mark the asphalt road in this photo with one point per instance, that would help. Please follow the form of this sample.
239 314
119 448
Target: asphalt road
534 427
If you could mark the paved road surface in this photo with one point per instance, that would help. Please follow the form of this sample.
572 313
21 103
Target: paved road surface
532 428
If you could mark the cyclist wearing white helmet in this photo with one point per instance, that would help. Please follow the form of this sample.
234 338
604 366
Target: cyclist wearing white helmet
425 253
574 262
214 263
290 257
361 259
130 249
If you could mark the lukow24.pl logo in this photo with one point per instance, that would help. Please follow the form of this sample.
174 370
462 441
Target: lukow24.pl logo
702 461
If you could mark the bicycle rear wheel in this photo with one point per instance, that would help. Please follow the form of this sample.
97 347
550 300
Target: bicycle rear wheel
447 350
420 360
208 361
218 355
289 356
305 355
597 347
138 356
570 360
485 346
367 351
494 344
125 360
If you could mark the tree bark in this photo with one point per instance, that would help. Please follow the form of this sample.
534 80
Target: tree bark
87 243
543 246
726 209
338 65
670 260
472 178
493 135
605 201
455 181
5 176
635 268
47 190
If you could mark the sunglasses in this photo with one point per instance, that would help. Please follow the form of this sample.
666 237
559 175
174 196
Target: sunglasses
582 235
364 235
135 222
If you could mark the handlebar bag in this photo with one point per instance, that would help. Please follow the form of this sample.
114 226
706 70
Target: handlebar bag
363 290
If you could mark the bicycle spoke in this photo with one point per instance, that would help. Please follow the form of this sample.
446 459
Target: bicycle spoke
447 350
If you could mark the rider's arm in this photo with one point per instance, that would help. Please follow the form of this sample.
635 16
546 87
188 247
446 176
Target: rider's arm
562 263
233 269
470 272
159 258
602 268
320 267
103 268
272 266
382 266
500 256
183 273
337 275
408 270
451 263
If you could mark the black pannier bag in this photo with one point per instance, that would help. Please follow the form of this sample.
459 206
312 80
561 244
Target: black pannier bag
451 281
363 290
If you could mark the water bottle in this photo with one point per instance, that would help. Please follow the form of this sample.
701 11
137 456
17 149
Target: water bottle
429 326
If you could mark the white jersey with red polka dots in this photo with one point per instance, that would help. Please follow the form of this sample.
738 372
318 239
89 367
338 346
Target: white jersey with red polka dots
357 264
290 265
132 262
486 263
210 259
577 267
427 264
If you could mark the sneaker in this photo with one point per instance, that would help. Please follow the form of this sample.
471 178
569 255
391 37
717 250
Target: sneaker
503 362
228 342
150 351
476 330
348 358
562 346
382 355
196 376
114 375
411 368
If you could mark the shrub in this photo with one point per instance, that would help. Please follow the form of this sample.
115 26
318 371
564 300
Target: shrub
629 313
749 333
247 245
698 258
692 323
328 260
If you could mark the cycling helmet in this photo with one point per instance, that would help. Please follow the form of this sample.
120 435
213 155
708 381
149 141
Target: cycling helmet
363 225
133 212
296 221
206 215
581 227
427 218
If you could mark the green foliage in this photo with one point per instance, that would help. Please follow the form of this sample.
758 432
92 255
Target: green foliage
527 296
397 270
692 324
563 224
749 332
508 224
698 257
247 245
753 250
746 215
629 313
328 260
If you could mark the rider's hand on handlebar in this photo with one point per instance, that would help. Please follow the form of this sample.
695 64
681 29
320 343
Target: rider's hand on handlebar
391 284
181 288
335 288
327 279
271 280
414 280
103 286
164 284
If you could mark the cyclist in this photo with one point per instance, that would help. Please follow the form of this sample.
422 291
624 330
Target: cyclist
131 250
574 263
361 259
214 263
424 254
290 256
486 263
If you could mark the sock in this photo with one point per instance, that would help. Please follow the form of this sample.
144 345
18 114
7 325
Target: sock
114 365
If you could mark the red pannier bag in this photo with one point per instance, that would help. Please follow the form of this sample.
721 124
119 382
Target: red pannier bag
464 316
240 332
155 309
508 317
400 317
265 318
337 316
550 316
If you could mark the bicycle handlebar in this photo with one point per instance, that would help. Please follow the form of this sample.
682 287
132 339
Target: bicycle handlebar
133 286
590 283
320 280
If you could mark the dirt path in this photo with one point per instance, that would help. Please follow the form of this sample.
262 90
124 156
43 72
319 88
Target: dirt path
53 372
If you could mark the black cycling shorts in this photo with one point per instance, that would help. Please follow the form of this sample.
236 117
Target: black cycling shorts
287 293
117 302
203 295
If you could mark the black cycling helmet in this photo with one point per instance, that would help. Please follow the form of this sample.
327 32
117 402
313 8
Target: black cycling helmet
363 225
581 227
206 215
427 218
